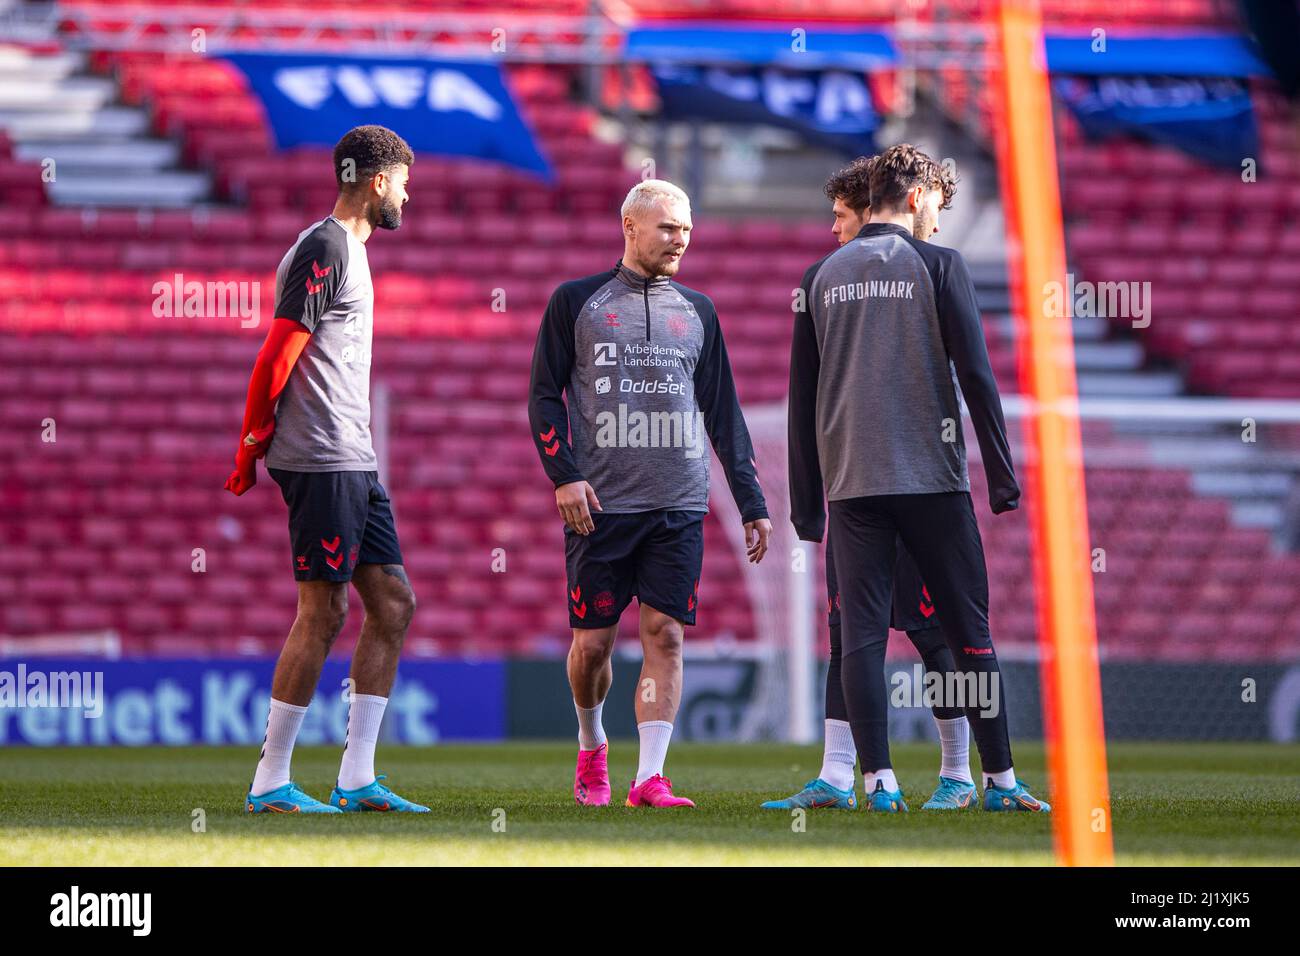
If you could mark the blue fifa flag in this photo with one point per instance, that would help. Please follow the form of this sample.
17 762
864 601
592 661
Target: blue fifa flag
828 108
452 107
1167 53
823 47
1211 118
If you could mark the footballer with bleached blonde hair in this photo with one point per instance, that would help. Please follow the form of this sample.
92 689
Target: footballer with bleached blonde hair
641 361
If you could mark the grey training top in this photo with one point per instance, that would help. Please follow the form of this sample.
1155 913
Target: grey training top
891 326
647 376
322 421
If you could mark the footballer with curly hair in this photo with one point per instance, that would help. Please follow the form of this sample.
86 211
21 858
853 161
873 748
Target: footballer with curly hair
308 414
912 611
891 330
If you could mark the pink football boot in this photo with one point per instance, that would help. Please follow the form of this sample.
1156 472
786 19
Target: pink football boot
655 792
591 778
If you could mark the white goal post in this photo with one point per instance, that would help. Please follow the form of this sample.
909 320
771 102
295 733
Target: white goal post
783 590
780 592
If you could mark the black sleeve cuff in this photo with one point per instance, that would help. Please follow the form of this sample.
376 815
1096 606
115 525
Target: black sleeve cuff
807 532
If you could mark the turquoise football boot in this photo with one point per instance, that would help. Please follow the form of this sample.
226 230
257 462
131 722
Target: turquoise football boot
375 797
287 799
886 801
1017 798
951 795
816 795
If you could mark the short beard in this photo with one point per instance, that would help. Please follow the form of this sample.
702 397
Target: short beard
653 271
922 226
390 214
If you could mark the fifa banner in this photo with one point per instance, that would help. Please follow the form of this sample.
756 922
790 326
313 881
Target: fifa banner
829 108
453 107
1210 118
822 47
1169 53
49 702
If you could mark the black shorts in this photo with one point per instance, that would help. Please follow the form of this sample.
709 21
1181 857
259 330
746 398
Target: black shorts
654 556
337 520
912 608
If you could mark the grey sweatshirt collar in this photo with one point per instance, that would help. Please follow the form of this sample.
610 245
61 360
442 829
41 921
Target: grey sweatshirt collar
639 282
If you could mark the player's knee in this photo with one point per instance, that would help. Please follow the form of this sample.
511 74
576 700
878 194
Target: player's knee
937 659
406 605
399 610
337 609
873 651
593 646
326 615
663 635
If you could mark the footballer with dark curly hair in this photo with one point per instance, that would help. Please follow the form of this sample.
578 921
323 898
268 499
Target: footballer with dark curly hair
308 413
891 330
849 191
912 611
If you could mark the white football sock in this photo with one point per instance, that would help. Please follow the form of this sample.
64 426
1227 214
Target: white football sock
954 738
282 725
365 714
591 732
839 755
655 735
885 776
1006 780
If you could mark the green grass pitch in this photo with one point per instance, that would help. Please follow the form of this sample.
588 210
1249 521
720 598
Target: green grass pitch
1173 804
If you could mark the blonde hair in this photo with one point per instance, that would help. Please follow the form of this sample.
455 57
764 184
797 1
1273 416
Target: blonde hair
646 192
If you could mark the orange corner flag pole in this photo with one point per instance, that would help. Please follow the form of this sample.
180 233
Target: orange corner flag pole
1067 628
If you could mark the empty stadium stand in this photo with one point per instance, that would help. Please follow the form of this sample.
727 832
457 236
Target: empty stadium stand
101 525
1219 251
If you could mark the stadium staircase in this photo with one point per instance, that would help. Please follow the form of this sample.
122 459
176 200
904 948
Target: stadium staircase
98 152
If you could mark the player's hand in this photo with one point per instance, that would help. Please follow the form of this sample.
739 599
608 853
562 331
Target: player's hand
1004 501
245 474
756 534
575 502
257 441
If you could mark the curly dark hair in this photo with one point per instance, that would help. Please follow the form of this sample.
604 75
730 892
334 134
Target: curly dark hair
373 149
852 184
900 169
